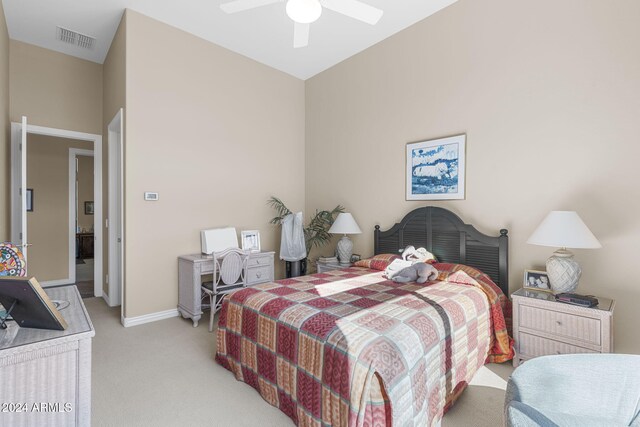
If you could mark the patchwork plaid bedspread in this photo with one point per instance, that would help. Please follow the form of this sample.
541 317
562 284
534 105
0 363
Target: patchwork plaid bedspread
350 348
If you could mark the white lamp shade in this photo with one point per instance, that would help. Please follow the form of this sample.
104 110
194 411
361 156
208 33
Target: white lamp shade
564 229
304 11
345 224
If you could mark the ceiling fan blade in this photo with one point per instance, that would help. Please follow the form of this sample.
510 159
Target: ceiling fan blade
354 9
241 5
300 34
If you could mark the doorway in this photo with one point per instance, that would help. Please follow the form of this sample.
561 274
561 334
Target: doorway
81 212
115 223
21 216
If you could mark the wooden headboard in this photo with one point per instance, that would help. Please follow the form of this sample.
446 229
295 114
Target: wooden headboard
446 236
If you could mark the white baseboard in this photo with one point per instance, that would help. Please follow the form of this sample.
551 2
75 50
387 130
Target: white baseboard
106 299
58 282
148 318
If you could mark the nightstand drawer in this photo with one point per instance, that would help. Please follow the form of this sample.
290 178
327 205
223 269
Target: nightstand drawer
257 260
562 325
533 346
259 274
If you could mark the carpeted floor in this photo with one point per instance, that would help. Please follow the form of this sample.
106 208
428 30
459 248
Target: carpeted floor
163 374
84 277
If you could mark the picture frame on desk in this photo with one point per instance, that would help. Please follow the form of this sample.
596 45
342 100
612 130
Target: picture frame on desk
536 280
250 240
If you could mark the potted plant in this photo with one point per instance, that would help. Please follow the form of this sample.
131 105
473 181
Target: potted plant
316 232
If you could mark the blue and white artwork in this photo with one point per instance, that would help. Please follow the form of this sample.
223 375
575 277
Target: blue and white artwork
435 169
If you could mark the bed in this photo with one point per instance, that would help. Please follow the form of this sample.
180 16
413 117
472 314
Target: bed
350 348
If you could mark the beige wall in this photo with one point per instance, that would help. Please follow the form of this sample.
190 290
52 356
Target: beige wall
48 224
85 190
55 90
5 127
548 94
214 133
114 97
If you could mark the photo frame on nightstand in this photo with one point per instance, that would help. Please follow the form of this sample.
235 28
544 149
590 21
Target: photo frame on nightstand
536 280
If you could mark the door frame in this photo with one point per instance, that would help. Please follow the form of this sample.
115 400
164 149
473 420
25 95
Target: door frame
18 193
115 221
73 205
97 193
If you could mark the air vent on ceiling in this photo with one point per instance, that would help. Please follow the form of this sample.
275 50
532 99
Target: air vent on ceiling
73 37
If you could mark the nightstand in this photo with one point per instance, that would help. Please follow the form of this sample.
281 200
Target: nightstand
322 267
543 326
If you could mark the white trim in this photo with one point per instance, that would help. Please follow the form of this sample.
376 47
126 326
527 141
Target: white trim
148 318
56 282
97 191
106 299
62 133
116 213
16 209
73 203
19 185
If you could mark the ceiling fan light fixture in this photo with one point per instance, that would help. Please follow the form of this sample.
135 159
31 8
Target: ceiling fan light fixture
304 11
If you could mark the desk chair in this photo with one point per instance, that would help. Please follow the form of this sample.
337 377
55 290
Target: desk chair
229 268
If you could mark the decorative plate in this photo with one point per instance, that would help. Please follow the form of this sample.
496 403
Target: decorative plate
12 262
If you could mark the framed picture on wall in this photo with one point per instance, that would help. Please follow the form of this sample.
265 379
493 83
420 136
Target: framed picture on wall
536 280
29 199
251 240
88 208
435 169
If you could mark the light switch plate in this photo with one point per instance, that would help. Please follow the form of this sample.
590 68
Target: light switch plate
151 196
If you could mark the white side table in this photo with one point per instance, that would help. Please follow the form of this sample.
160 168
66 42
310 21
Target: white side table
322 267
543 326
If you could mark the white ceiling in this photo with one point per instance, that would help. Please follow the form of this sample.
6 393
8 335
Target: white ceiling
264 34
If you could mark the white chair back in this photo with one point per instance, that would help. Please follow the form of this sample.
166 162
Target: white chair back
231 268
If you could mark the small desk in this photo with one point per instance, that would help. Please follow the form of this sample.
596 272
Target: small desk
40 367
191 268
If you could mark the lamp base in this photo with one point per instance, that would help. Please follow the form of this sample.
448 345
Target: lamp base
345 250
564 272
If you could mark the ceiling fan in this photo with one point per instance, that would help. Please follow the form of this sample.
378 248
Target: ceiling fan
304 12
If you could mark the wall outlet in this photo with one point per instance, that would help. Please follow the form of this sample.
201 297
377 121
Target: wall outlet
151 196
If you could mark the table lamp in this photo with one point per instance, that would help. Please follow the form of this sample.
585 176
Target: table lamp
345 224
564 229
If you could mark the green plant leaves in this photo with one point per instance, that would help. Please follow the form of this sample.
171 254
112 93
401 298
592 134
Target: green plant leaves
316 233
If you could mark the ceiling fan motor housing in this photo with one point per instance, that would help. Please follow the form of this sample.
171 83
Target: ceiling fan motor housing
304 11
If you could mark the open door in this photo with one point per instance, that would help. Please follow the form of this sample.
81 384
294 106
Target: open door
19 185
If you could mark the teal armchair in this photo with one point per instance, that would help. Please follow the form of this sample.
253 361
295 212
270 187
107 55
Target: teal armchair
575 390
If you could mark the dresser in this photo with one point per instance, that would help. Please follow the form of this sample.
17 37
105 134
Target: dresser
191 268
84 245
45 376
543 326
